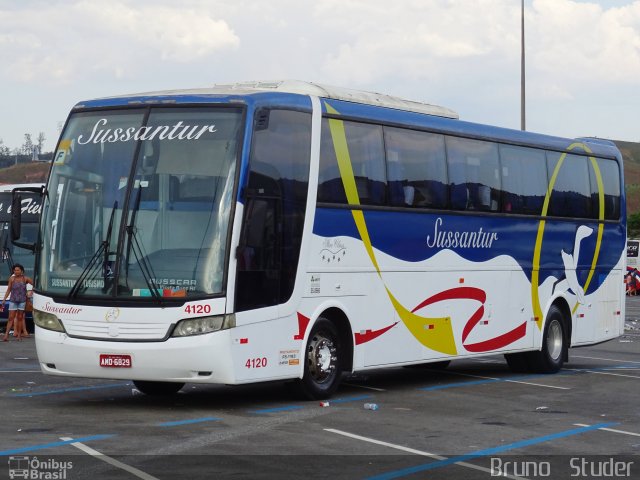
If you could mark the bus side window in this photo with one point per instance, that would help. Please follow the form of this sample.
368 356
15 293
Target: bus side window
330 188
474 174
524 179
610 174
416 168
571 195
366 153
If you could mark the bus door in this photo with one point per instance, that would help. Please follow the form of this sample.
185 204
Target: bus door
275 198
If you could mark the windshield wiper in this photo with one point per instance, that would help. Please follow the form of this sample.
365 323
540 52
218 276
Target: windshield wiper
134 246
94 260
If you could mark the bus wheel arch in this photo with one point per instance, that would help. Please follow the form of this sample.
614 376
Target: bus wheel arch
556 335
341 321
328 352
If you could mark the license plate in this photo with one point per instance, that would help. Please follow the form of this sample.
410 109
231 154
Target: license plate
115 361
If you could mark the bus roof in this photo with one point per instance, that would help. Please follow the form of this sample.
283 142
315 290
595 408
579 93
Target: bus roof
339 93
307 88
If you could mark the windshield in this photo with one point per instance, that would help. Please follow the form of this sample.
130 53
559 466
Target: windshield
139 203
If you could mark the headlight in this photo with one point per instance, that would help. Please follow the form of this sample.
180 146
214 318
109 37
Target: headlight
48 321
198 326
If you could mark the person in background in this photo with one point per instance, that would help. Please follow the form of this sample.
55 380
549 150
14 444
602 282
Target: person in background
17 288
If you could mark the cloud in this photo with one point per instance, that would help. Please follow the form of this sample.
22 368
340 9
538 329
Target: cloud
567 41
415 39
65 41
581 42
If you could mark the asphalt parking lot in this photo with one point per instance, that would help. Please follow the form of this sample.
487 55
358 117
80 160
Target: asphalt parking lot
458 423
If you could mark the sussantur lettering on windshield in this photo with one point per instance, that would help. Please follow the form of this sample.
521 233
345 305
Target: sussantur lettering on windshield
179 131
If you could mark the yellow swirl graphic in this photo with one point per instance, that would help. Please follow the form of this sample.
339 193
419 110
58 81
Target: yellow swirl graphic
433 333
535 273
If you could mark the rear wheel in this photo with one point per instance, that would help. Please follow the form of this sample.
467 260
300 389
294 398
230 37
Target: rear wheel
158 388
554 344
322 362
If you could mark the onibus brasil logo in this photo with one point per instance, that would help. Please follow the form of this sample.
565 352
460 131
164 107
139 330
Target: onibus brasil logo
34 468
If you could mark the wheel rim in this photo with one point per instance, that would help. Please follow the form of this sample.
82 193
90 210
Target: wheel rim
321 358
554 340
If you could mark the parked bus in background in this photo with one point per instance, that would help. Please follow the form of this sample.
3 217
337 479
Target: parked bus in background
292 231
633 247
9 253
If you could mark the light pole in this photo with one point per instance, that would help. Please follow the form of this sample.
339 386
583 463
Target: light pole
522 89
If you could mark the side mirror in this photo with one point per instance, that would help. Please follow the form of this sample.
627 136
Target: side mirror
16 214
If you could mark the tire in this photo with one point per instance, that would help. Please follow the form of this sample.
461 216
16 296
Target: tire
550 358
518 362
158 388
322 362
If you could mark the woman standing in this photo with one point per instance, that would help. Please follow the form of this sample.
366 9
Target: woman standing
18 289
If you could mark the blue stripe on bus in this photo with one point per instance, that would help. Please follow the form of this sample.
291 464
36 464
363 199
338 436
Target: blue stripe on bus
489 451
54 444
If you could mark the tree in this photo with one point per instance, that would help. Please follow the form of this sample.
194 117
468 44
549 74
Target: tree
633 225
27 146
4 150
41 139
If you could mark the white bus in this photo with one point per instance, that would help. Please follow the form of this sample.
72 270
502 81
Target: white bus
9 253
291 231
633 247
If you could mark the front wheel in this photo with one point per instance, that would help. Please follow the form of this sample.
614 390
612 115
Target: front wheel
322 362
158 388
554 344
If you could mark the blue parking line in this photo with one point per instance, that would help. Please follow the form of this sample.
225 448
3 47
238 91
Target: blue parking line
189 422
21 367
489 451
460 384
67 390
524 377
53 444
298 407
279 409
350 399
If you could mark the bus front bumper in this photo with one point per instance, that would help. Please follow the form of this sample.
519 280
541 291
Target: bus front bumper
197 359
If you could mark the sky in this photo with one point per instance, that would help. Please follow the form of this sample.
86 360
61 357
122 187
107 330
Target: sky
582 56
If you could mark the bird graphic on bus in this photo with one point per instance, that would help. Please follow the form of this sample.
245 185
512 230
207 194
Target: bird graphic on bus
570 261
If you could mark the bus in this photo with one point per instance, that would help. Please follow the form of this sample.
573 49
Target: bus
290 231
633 247
9 253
